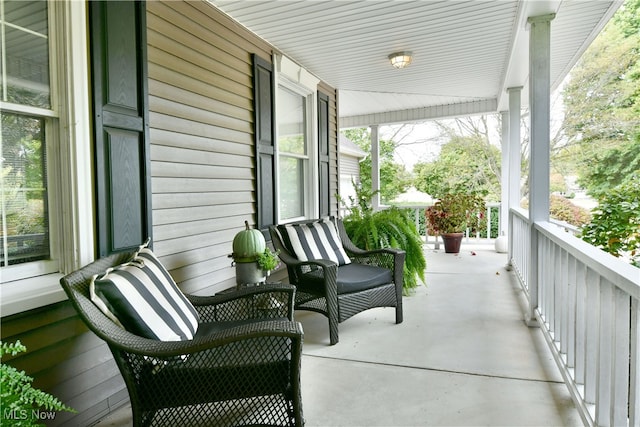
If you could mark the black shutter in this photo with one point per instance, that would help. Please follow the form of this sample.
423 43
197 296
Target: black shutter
323 154
264 119
120 122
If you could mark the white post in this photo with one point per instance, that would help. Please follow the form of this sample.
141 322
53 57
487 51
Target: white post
375 167
503 228
540 106
513 179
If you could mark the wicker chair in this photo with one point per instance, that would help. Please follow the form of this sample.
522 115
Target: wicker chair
241 368
324 287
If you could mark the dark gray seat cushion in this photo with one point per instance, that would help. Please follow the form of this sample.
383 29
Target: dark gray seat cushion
351 278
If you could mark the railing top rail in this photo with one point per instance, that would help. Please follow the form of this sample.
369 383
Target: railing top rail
620 273
521 213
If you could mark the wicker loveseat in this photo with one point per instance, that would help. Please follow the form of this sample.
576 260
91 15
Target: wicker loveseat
334 288
240 367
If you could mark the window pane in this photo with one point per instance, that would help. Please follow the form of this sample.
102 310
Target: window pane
26 53
291 187
23 190
291 122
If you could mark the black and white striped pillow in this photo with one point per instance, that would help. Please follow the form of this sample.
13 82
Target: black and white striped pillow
143 298
316 240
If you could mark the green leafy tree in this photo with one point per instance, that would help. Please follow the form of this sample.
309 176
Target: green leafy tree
467 164
615 227
613 168
602 103
394 178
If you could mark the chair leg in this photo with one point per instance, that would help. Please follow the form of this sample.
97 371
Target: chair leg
333 330
399 318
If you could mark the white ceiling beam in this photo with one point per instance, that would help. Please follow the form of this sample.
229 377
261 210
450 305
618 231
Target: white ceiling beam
482 106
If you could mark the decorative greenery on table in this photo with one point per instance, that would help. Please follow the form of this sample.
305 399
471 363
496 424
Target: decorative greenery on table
454 213
23 405
268 260
393 227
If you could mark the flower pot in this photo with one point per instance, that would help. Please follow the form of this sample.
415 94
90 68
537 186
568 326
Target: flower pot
249 273
452 242
501 244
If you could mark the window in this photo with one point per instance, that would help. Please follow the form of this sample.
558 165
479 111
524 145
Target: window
45 150
292 153
26 119
296 143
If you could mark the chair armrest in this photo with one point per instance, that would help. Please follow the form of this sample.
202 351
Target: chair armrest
131 343
233 305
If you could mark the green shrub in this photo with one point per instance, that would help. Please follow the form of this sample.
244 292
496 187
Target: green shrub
562 209
23 405
615 226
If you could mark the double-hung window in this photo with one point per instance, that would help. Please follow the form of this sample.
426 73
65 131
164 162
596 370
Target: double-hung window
296 146
46 206
293 155
28 133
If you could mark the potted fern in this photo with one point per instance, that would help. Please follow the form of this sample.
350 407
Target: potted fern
452 215
393 227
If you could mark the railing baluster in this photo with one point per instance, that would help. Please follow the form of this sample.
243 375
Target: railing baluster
621 354
605 346
634 361
571 312
591 338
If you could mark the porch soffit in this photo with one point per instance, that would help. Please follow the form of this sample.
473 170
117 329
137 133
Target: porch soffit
466 53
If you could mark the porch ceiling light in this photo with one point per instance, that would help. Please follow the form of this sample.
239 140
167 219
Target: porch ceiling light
401 59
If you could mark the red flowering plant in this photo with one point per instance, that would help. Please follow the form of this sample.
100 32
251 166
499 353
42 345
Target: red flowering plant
454 213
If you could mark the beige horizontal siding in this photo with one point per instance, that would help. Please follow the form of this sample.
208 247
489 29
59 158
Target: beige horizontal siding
202 142
66 360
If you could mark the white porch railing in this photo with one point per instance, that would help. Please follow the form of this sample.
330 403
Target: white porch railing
588 309
419 217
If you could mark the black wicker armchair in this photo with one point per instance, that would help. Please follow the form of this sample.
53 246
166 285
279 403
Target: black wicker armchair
242 367
371 279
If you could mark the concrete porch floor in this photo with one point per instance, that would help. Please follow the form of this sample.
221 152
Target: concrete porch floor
462 357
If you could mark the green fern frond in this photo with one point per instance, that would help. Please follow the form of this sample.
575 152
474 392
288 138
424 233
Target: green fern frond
393 227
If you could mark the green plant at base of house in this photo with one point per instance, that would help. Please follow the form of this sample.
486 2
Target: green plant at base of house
21 403
615 224
393 227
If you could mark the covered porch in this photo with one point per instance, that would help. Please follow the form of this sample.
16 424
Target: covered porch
463 356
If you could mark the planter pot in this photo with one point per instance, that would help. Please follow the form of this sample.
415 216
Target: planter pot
452 242
502 245
249 273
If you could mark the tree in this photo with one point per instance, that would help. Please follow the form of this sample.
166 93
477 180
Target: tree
602 102
468 163
613 168
394 178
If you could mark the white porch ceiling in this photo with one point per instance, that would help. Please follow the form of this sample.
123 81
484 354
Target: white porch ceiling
466 53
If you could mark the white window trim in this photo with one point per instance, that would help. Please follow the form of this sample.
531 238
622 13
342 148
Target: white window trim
72 235
294 77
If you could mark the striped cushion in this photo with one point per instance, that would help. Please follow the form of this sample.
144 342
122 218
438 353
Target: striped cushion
316 240
142 297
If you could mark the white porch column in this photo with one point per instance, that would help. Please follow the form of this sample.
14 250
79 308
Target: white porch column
375 167
513 187
540 106
503 226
